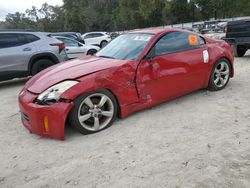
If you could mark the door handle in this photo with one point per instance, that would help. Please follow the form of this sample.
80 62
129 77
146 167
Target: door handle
27 49
67 49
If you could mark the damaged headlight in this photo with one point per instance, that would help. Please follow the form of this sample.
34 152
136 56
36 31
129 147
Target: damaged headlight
53 93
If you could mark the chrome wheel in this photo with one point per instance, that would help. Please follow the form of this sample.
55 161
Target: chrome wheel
95 112
221 74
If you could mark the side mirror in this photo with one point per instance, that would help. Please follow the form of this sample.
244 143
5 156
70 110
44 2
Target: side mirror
80 45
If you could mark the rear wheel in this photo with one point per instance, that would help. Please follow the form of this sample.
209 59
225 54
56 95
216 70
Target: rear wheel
40 65
91 52
93 112
220 75
239 51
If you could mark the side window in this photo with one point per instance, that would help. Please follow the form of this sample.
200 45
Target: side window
69 43
98 34
202 40
8 40
88 36
176 42
31 38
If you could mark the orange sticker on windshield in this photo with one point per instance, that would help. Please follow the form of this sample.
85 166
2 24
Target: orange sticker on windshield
193 40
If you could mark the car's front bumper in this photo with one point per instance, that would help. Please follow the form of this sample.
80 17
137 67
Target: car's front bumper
43 120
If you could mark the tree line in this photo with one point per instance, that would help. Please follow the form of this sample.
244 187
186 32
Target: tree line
118 15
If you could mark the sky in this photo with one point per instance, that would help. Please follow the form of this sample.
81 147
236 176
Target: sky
12 6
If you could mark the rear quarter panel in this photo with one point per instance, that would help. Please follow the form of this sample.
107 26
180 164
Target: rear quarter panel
219 49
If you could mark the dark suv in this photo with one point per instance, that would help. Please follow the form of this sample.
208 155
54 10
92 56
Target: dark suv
25 53
238 34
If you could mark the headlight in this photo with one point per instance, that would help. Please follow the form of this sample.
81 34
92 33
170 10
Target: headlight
54 92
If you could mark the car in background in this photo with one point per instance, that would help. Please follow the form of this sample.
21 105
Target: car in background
73 35
217 33
135 71
113 35
24 53
75 49
238 35
97 38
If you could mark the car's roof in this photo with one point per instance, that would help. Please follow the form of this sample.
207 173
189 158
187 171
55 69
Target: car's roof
95 32
154 30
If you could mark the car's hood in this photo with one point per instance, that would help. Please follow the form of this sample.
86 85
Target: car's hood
69 70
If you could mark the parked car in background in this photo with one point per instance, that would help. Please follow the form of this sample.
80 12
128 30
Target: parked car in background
113 35
97 38
217 33
24 53
73 35
238 34
75 49
135 71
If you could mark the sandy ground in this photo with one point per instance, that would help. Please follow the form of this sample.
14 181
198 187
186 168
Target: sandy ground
199 140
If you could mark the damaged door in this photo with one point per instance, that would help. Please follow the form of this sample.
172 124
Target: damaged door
173 67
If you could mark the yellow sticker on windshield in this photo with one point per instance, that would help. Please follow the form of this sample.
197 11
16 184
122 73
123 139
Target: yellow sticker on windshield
193 40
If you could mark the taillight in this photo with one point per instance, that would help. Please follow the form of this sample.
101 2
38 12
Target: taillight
60 45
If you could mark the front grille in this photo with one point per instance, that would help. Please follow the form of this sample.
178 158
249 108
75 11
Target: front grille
25 117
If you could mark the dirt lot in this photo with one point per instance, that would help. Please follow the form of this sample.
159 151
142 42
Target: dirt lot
199 140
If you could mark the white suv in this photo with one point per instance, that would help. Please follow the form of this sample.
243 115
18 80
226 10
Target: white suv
97 38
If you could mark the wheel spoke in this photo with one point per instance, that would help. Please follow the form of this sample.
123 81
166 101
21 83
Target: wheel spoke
216 71
102 101
222 81
217 80
96 123
88 102
225 72
107 113
84 117
222 66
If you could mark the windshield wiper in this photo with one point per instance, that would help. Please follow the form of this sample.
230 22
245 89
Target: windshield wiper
106 56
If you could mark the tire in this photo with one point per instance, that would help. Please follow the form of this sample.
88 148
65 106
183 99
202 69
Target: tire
40 65
91 52
90 107
239 51
103 43
220 75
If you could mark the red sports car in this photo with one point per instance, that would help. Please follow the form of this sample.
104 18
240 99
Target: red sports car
135 71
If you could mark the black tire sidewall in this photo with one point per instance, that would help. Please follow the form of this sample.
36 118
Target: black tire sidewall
91 52
73 115
104 41
37 65
239 51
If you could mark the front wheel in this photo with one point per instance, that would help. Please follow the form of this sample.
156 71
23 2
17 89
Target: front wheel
93 112
220 75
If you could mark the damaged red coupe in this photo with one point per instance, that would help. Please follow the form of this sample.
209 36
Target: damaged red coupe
135 71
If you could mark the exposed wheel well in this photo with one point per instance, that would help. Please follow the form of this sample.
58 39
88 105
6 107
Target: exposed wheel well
35 58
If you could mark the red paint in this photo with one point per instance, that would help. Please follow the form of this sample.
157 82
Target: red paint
137 84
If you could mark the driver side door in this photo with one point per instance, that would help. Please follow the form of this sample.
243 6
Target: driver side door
175 66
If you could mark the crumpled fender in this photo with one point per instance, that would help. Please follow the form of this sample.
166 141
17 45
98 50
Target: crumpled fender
119 81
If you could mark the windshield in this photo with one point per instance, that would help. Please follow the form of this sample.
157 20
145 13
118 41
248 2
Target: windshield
126 47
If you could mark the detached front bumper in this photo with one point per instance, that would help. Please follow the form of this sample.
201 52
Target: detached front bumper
43 120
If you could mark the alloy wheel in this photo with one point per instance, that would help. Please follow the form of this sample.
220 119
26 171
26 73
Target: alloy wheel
95 112
221 74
